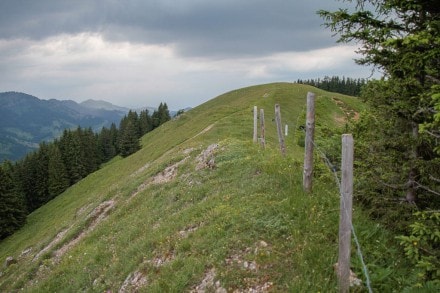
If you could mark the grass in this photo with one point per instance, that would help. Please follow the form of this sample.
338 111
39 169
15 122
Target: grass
246 223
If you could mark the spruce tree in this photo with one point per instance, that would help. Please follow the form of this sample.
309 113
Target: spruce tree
57 180
399 158
12 207
129 134
145 122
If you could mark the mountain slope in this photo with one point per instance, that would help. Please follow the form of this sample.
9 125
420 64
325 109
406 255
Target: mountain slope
202 208
25 121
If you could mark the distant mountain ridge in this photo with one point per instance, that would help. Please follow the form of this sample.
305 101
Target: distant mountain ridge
102 105
26 120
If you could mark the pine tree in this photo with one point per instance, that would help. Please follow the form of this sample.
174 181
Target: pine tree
12 207
145 122
57 175
106 144
70 147
401 159
128 139
129 134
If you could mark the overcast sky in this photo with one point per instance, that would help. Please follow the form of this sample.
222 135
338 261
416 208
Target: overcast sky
138 53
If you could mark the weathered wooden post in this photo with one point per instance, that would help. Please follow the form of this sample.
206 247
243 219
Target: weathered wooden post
308 151
286 130
255 123
279 128
263 134
345 216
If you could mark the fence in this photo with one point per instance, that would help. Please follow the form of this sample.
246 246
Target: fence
346 228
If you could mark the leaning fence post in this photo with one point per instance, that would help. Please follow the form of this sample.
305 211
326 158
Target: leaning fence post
255 123
345 217
263 135
308 151
279 128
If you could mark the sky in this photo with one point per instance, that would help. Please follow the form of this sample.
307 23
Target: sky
138 53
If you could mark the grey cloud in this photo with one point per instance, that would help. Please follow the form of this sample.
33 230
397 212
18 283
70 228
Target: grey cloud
196 28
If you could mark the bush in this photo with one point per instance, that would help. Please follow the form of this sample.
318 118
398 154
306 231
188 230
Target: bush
422 247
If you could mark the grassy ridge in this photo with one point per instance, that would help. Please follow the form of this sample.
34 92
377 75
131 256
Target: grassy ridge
167 219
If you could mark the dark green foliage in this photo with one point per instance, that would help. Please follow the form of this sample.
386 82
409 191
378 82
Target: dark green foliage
48 171
161 115
422 246
12 207
145 122
57 174
107 143
89 146
72 154
129 134
346 86
401 160
398 140
129 139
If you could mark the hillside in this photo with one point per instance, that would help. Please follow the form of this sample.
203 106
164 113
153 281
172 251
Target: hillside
201 208
25 120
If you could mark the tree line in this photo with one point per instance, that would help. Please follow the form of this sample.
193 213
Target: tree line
45 173
345 85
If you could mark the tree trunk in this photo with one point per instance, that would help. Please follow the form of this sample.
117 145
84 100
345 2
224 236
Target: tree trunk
411 192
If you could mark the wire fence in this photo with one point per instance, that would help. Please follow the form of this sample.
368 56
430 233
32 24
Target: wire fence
356 239
331 167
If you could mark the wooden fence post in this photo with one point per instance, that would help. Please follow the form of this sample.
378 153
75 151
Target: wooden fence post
255 123
280 130
308 151
345 217
263 135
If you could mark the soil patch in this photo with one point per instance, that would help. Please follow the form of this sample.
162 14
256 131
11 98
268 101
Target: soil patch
56 240
94 218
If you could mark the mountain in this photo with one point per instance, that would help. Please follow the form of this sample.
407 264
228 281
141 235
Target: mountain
102 105
25 120
201 208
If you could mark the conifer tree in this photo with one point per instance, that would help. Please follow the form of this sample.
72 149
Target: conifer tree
106 144
129 133
145 122
70 147
57 175
12 207
400 159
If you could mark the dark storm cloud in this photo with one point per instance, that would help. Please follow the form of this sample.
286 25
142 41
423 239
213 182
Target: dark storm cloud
194 27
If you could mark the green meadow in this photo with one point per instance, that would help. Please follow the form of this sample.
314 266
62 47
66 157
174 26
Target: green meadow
202 208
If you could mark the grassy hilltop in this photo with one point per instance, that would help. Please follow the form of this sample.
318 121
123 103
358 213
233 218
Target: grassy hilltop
200 207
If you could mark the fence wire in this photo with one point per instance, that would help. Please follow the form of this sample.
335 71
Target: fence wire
356 239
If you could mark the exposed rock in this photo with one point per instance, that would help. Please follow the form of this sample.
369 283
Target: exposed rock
206 158
208 284
9 261
133 282
26 252
354 280
168 174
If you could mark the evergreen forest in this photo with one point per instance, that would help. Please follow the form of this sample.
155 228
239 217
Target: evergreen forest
45 173
345 85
